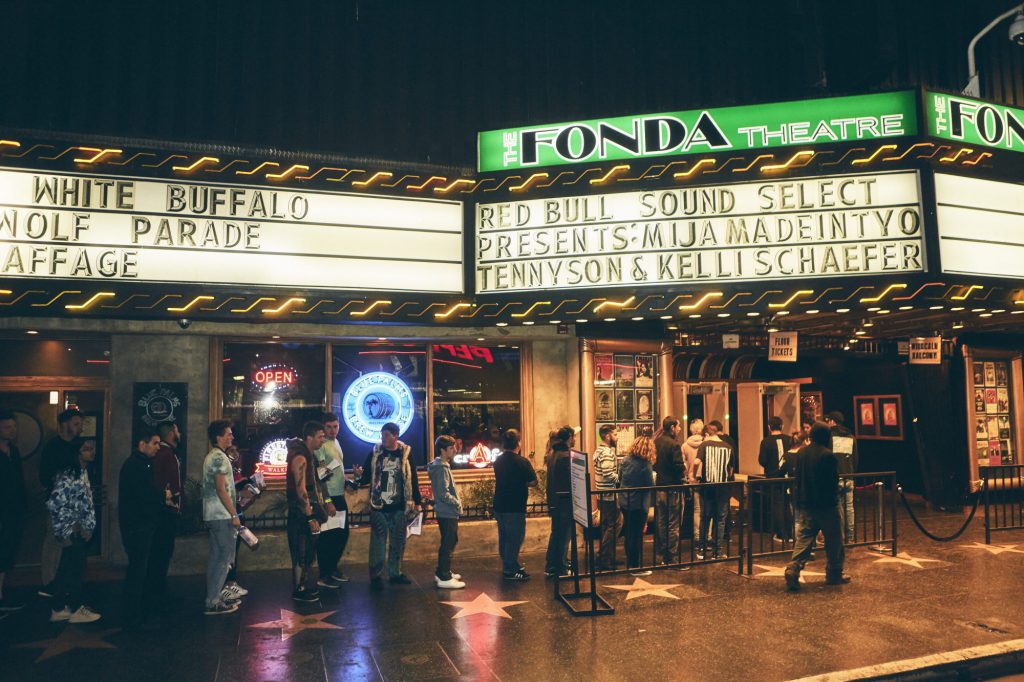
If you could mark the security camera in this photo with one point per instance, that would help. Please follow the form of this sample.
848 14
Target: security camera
184 323
1017 28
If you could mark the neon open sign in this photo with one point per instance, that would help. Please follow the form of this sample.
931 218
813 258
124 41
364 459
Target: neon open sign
279 375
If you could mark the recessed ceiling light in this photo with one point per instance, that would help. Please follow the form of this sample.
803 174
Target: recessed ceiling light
958 325
869 323
637 319
842 310
676 326
846 348
985 315
977 310
871 310
275 336
753 314
695 316
1017 312
581 321
999 310
480 338
666 317
860 332
382 338
782 312
772 330
724 314
554 322
883 312
906 307
528 323
935 307
609 319
957 309
813 312
32 331
854 340
501 324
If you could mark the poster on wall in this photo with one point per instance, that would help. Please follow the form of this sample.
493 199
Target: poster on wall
624 407
979 400
810 407
626 437
1004 426
1002 400
1001 374
645 430
979 374
624 371
990 374
980 428
991 403
644 405
880 417
156 402
604 403
604 369
644 371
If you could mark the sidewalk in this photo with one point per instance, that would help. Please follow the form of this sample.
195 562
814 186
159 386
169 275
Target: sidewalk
707 623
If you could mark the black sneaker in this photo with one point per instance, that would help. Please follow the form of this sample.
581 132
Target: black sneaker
792 580
47 591
306 595
220 609
400 579
517 577
327 582
339 577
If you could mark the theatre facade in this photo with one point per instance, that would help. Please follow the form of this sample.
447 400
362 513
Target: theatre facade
860 254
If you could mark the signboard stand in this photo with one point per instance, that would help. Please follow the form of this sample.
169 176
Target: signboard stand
582 510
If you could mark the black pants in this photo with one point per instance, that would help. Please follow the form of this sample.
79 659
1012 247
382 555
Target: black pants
161 553
138 544
330 546
70 576
302 545
449 538
562 525
609 532
635 520
11 528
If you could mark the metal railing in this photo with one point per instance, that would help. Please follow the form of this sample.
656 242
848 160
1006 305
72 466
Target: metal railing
1003 497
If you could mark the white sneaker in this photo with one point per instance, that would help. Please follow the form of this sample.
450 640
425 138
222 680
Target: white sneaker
59 616
452 584
229 597
457 576
84 615
237 589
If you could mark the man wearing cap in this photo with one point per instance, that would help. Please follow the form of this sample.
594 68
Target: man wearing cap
844 445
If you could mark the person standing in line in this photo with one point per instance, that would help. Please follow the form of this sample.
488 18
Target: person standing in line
844 447
330 546
55 457
448 508
307 509
166 477
232 590
771 455
559 507
12 502
815 499
394 501
606 477
715 463
689 450
139 506
513 477
636 472
219 501
670 470
73 518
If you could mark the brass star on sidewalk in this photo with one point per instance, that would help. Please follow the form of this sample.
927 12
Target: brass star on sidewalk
995 549
780 572
70 639
905 558
292 623
642 588
482 604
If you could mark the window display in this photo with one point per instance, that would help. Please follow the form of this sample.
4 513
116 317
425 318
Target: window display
993 413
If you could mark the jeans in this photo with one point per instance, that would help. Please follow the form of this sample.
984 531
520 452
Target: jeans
667 510
846 506
609 532
808 523
331 544
222 555
635 520
49 558
562 525
160 554
387 537
70 575
714 506
138 545
511 531
302 547
449 529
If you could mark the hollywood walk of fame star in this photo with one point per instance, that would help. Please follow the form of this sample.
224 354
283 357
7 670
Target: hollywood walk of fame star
642 588
995 549
482 604
905 558
780 572
292 623
69 639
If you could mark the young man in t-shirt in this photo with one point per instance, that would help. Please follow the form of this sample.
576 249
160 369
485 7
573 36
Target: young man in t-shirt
715 462
220 517
513 476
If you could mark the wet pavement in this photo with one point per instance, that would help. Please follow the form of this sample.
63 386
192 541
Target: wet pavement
707 623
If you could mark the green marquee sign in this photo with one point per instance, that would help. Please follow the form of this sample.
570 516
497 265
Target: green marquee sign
763 126
971 121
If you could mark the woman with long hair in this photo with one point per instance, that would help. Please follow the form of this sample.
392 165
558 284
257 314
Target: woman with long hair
636 472
74 520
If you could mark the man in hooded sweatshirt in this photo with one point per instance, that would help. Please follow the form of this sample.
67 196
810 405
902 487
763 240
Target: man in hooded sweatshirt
816 503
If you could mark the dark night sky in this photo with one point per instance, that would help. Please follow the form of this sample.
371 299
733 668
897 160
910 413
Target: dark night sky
416 80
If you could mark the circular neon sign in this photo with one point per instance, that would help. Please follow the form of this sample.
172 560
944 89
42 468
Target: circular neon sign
375 399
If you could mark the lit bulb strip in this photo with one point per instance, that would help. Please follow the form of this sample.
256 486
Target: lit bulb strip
796 295
554 179
97 155
724 164
319 170
454 185
125 302
166 161
423 186
729 302
704 299
967 292
792 163
399 181
842 158
54 158
130 159
760 157
396 310
974 162
227 300
159 301
938 150
960 152
366 311
91 302
284 175
555 309
307 311
583 175
9 143
874 155
909 149
615 304
693 169
531 308
919 290
196 164
527 182
821 295
616 170
22 295
477 309
379 175
258 168
54 299
448 313
229 164
259 300
343 306
30 150
345 175
760 298
888 290
855 292
281 308
670 303
188 306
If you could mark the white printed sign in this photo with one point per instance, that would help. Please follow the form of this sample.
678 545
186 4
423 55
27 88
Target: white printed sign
782 346
925 350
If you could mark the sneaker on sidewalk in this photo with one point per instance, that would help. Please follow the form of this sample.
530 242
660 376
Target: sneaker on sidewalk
792 580
229 597
517 577
640 574
220 608
47 591
84 615
60 616
450 584
327 582
306 595
339 577
237 589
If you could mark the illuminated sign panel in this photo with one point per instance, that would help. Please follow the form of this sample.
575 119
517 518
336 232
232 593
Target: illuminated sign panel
832 226
971 121
981 226
818 121
375 399
73 226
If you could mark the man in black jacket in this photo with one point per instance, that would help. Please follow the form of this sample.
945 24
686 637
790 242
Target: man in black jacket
670 470
816 501
770 456
559 507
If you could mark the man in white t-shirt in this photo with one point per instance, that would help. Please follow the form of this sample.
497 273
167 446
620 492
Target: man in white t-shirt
220 517
332 542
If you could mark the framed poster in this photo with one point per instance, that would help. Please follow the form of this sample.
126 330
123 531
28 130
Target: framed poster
604 369
156 402
644 405
1001 374
979 376
990 374
990 401
890 407
645 430
644 371
864 411
626 438
624 407
624 371
604 405
880 417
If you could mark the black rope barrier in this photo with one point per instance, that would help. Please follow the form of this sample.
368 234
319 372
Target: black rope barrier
932 536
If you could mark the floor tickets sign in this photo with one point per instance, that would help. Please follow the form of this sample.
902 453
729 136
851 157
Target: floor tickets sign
926 350
782 346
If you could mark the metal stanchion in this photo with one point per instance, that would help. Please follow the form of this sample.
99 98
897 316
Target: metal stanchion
879 521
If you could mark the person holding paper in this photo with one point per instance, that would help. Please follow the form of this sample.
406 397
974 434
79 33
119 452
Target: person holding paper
333 538
448 507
